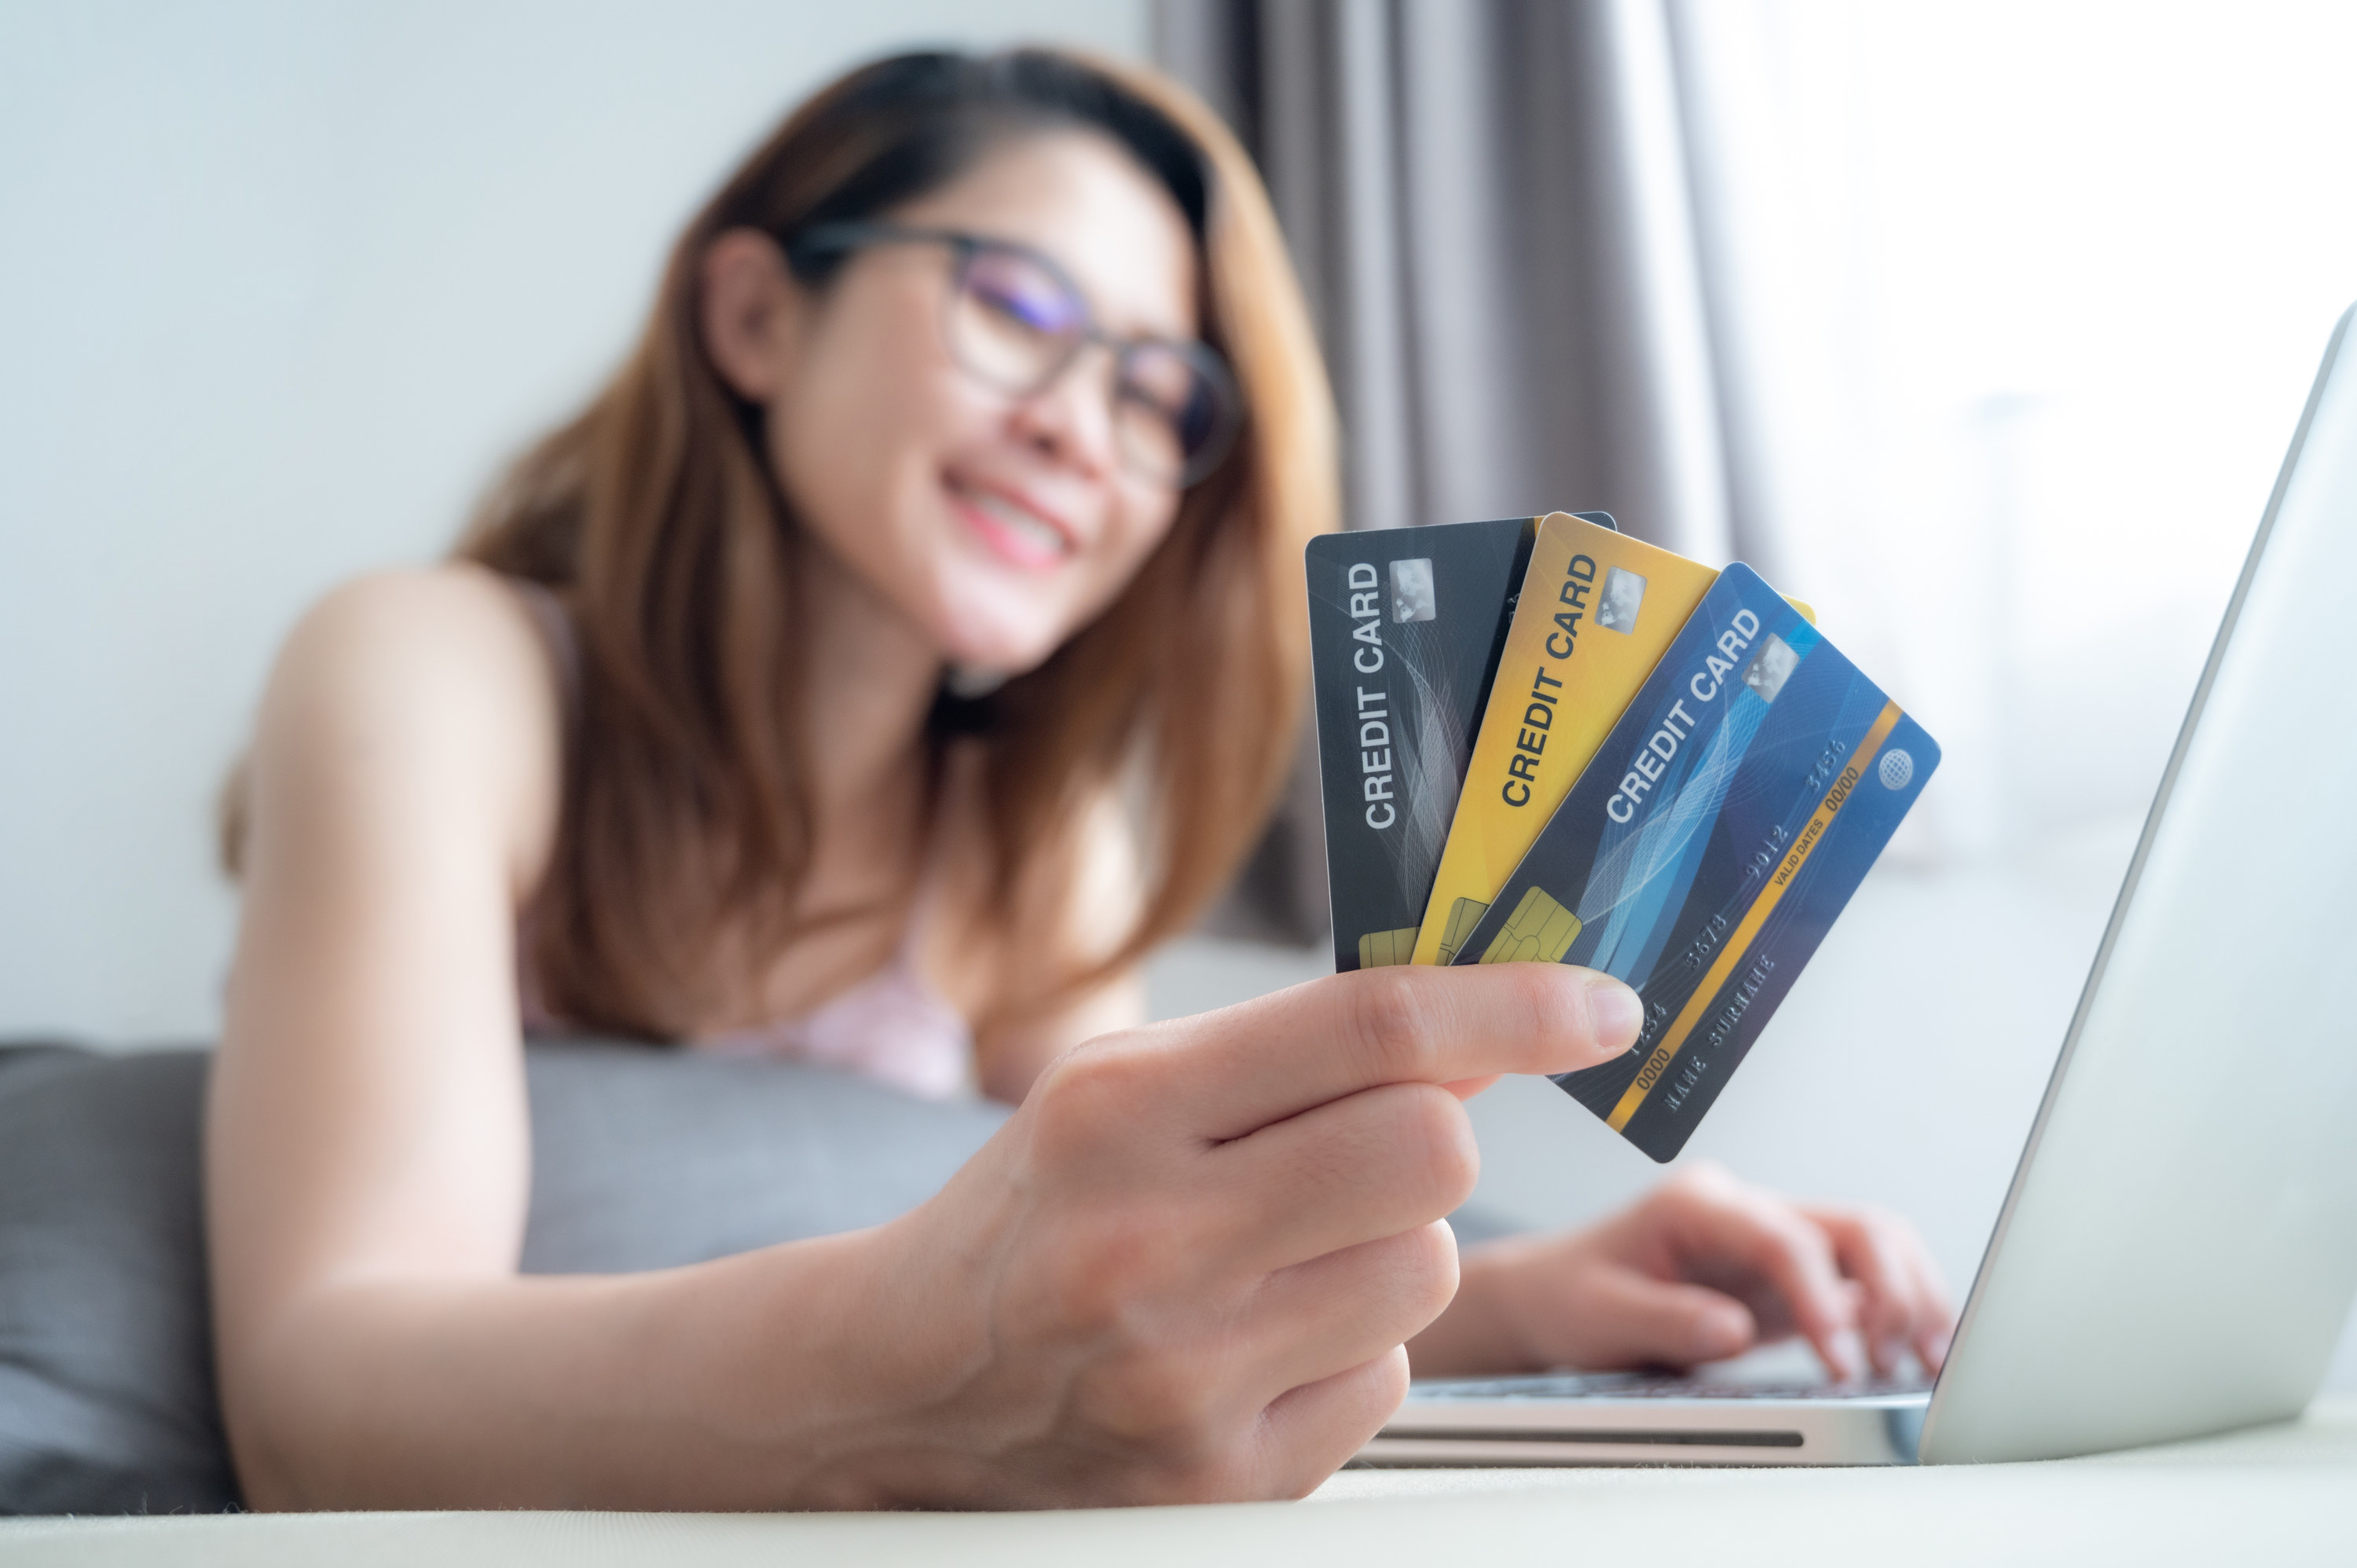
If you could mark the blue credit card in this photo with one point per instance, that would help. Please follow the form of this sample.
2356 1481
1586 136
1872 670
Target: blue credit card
1702 856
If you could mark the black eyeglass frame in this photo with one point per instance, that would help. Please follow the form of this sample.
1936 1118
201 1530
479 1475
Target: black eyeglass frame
825 242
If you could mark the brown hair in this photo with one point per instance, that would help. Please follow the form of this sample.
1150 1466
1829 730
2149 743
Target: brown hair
652 516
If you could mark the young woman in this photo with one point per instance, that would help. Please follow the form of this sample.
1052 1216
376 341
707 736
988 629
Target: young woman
981 374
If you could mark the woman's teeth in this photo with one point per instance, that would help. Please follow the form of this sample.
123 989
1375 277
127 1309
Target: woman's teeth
1023 524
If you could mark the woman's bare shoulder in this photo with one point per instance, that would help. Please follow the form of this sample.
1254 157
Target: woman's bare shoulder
430 619
429 677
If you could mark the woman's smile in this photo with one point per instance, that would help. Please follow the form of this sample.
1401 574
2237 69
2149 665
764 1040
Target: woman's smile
1017 530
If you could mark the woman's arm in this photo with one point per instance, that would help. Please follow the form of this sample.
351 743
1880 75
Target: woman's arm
1182 1269
368 1145
367 1124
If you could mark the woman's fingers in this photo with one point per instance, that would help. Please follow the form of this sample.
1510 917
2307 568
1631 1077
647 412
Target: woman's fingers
1228 1073
1621 1317
1887 1296
1721 1224
1315 1319
1873 1252
1837 1270
1906 1304
1312 1431
1373 1165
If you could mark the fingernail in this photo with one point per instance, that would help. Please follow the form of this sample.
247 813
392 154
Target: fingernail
1614 1012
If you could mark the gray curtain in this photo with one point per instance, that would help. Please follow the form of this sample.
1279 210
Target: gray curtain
1493 204
1499 214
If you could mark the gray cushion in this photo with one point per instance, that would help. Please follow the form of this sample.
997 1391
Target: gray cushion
106 1399
641 1159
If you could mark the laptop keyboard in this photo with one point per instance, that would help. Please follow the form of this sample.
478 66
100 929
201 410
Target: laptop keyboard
1639 1385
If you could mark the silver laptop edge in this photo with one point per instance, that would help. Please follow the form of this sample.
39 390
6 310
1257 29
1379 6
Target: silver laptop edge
2177 1253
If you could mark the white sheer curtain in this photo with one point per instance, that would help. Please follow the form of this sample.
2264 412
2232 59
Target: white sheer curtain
2014 306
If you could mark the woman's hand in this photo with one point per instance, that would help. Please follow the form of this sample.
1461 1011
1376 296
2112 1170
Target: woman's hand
1704 1268
1186 1267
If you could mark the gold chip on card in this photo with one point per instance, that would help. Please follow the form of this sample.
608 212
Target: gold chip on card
1540 930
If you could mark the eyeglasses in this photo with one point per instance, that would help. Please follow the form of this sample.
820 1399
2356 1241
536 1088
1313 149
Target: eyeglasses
1015 321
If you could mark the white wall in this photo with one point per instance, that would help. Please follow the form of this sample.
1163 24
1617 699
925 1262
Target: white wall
279 286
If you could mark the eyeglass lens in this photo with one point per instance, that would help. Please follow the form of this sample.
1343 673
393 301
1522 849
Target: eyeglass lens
1014 324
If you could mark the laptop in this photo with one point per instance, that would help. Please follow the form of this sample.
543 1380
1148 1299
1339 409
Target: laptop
2177 1252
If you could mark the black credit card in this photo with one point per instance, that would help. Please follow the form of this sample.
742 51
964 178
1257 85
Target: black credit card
1406 626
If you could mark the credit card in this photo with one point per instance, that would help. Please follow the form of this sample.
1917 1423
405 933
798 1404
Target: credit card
1702 856
1404 630
1596 612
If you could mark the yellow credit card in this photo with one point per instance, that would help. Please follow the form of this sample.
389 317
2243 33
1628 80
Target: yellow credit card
1597 610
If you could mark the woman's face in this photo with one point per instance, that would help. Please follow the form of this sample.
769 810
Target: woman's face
996 523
